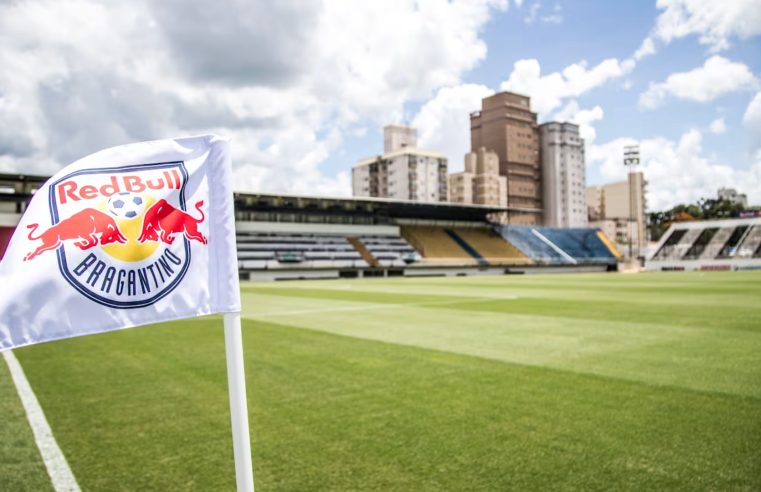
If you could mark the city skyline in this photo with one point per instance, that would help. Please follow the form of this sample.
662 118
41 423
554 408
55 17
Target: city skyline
680 79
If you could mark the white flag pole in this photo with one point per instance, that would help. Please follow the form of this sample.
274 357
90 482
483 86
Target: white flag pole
236 382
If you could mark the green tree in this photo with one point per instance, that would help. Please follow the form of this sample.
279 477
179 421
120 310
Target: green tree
704 209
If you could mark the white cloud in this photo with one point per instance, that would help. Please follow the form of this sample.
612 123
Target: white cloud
717 126
532 13
548 91
443 122
716 77
556 17
752 120
716 22
83 75
647 48
676 171
582 117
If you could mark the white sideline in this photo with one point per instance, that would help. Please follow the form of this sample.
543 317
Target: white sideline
60 474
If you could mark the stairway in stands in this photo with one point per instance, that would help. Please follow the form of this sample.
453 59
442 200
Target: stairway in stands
751 244
467 247
363 252
676 250
714 247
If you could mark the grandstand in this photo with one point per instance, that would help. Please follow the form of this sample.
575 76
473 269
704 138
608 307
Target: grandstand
370 237
731 244
283 237
559 246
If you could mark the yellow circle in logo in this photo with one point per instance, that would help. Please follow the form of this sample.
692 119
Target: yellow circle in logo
131 228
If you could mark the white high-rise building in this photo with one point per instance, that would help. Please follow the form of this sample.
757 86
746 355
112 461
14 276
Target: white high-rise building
403 172
563 175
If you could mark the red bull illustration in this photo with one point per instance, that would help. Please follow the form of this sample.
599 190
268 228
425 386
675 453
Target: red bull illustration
162 221
84 226
122 236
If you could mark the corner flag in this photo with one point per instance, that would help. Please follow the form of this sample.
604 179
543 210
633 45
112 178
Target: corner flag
129 236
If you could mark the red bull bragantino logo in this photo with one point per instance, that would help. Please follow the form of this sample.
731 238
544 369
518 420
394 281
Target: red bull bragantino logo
122 235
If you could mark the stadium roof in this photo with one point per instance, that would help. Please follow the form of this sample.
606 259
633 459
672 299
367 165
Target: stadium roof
392 209
19 188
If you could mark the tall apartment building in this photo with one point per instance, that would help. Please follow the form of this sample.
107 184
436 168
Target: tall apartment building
480 182
563 175
507 126
403 172
619 213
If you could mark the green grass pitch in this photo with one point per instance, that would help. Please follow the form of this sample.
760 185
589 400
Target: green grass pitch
562 382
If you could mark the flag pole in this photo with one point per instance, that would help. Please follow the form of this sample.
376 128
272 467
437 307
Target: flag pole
236 382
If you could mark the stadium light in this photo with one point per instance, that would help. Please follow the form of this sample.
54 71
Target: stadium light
631 161
631 155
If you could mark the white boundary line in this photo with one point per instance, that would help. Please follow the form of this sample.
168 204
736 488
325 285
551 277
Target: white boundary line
60 474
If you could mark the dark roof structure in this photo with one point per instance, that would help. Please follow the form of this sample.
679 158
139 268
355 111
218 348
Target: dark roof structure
19 188
382 210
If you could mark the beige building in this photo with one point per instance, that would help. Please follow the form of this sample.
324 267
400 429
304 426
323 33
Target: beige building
563 175
397 137
403 172
507 126
619 213
480 182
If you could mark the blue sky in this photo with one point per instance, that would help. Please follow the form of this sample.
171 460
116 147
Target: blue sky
303 88
593 31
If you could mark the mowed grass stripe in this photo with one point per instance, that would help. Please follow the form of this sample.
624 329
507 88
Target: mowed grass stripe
707 290
695 358
654 309
349 294
695 314
145 409
698 346
677 282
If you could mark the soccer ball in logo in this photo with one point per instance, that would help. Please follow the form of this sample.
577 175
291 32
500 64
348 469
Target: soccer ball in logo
126 205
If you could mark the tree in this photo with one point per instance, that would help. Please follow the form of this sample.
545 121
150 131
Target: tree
704 209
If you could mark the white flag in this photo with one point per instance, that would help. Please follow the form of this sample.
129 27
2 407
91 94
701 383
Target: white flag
128 236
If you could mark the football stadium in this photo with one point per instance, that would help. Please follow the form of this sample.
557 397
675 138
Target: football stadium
426 347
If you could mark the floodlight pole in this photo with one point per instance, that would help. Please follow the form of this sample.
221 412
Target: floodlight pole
631 160
236 382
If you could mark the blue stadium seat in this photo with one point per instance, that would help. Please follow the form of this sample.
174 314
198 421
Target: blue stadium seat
559 246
